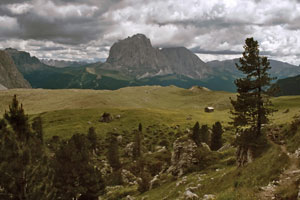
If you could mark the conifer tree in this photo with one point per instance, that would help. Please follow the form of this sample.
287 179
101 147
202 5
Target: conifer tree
75 174
204 134
196 134
24 167
137 148
216 138
92 137
113 152
252 106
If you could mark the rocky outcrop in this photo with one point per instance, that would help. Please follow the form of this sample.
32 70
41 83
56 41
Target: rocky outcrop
184 156
10 77
25 62
184 62
137 57
106 117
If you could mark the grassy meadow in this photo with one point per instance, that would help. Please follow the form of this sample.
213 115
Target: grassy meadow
65 112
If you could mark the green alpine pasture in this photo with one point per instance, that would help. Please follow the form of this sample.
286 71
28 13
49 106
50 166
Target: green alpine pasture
65 112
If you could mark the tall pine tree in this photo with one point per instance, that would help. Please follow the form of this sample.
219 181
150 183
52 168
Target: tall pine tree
216 137
24 166
252 106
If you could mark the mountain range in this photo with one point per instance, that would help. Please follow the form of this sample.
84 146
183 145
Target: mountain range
135 62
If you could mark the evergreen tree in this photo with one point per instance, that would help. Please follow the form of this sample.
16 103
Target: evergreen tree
252 106
137 148
216 138
38 128
24 166
204 133
140 127
113 152
75 174
196 134
92 137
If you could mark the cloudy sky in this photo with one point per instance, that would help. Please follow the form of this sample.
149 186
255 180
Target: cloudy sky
214 29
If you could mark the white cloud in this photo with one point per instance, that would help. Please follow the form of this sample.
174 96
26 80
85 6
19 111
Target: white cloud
19 8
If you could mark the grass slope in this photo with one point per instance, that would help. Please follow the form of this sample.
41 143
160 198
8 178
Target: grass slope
65 112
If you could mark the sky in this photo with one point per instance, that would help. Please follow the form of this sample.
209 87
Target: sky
213 29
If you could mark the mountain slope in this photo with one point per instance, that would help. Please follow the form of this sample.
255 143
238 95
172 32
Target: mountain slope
183 61
24 62
289 86
136 56
10 77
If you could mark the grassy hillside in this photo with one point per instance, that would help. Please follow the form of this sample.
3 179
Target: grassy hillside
65 112
160 109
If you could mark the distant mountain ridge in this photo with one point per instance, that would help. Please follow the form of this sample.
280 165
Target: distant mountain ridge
135 62
10 77
62 63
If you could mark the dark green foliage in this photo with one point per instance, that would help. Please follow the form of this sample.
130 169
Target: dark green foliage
216 137
252 106
144 183
137 148
24 167
113 156
92 137
204 134
196 134
38 128
74 172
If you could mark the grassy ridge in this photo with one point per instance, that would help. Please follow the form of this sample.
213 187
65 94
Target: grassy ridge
65 112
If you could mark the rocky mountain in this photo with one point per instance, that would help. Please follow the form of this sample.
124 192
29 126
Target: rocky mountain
62 63
25 62
184 62
10 77
137 57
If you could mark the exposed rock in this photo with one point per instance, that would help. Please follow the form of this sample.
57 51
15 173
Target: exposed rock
205 146
155 182
24 62
118 116
183 156
182 181
224 147
128 178
188 195
128 197
209 197
297 153
136 56
10 77
120 139
105 168
106 117
129 149
2 87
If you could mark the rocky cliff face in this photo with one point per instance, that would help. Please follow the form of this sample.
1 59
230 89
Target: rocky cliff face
10 77
136 56
24 62
184 62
